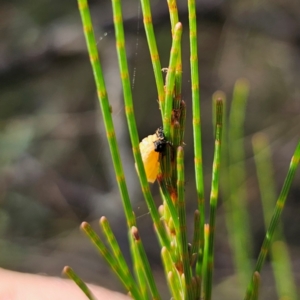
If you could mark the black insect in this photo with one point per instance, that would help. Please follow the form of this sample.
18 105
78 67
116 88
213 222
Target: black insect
161 142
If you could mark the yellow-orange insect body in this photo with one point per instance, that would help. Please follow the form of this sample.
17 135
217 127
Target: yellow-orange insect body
150 148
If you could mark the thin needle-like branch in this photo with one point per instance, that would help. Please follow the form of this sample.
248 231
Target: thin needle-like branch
214 199
120 45
105 109
276 215
196 118
170 81
72 275
154 54
126 280
182 219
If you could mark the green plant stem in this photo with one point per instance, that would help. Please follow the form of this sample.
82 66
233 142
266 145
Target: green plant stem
178 72
237 218
145 264
120 45
256 284
147 18
176 141
170 80
281 262
214 199
203 262
182 220
196 120
182 119
126 280
112 242
138 269
72 275
196 236
168 202
171 274
177 295
275 218
105 109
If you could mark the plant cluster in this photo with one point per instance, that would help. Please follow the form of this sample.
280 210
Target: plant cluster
188 266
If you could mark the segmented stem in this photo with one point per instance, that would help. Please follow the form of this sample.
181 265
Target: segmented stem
178 72
72 275
146 266
214 199
256 284
276 215
196 236
126 280
171 275
147 18
120 45
112 242
170 206
105 108
170 80
138 269
182 219
280 258
196 117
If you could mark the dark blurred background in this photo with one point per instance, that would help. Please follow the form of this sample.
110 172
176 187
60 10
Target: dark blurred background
56 170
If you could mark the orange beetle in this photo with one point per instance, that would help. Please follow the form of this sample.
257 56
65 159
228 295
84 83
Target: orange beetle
150 148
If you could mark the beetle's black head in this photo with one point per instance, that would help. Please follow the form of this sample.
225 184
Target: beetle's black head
160 145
